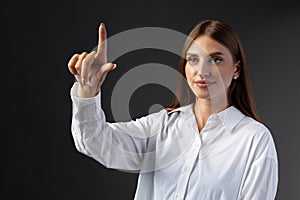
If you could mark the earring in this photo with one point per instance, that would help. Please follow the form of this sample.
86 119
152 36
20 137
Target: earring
235 77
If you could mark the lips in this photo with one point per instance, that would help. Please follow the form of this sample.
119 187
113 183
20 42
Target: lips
203 83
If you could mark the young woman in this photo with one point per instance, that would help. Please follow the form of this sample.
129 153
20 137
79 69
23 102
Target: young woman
211 148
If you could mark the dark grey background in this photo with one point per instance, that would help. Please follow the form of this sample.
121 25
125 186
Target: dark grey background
38 156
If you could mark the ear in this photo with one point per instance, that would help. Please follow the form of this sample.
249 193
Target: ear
237 70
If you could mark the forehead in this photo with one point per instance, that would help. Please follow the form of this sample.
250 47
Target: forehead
206 45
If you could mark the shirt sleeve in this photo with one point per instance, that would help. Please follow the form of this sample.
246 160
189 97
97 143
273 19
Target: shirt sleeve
121 145
261 175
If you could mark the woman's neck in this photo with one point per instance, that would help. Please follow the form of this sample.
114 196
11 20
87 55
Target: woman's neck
204 108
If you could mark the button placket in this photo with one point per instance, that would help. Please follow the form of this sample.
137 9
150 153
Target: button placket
185 173
189 163
198 143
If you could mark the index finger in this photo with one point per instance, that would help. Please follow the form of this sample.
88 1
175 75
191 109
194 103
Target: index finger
102 43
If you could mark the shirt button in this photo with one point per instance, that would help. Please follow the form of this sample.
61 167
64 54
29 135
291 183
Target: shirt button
185 169
177 197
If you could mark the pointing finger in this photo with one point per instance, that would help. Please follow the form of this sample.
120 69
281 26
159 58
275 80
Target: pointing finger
102 43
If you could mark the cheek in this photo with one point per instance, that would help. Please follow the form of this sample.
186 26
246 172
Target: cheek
189 71
226 78
225 75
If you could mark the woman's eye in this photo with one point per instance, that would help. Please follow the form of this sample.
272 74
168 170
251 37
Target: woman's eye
192 60
216 59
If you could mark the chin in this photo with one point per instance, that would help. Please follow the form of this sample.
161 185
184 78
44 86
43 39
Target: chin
206 95
202 95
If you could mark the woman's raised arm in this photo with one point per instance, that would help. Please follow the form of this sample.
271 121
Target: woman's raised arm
121 145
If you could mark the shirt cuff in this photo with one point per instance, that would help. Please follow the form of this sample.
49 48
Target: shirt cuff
85 109
79 102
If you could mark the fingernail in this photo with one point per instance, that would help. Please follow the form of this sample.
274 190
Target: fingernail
115 65
83 81
102 24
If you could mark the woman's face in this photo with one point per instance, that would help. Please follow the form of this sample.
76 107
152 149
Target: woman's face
210 68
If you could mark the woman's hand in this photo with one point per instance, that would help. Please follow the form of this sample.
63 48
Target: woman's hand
91 69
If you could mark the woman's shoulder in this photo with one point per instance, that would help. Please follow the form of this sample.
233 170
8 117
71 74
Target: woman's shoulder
257 132
259 136
253 126
248 127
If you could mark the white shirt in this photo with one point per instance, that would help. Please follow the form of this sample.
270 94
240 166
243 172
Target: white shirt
233 157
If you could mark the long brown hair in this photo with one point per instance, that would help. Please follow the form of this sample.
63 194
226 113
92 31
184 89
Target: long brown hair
240 92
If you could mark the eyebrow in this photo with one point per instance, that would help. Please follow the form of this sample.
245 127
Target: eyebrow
211 54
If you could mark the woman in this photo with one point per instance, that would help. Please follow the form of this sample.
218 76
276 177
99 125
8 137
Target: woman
212 148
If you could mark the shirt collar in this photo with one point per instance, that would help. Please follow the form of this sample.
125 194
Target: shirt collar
182 109
229 117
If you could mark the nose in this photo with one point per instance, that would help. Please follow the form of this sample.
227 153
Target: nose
203 69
